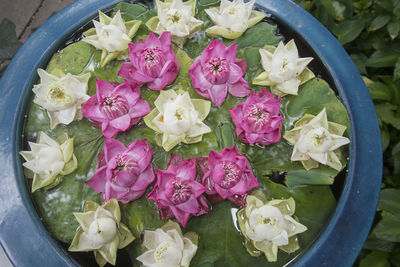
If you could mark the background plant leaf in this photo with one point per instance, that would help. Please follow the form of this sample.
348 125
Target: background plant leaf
9 43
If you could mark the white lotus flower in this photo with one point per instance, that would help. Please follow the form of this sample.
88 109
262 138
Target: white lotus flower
61 96
49 160
316 140
111 35
178 118
269 226
232 19
101 231
176 17
167 247
284 71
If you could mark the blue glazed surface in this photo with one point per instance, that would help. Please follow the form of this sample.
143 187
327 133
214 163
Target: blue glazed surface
24 237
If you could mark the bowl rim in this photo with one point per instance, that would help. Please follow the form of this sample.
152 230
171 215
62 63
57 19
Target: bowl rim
18 216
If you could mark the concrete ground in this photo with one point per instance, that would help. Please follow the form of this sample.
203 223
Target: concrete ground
27 15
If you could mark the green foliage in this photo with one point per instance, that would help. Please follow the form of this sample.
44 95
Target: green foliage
369 31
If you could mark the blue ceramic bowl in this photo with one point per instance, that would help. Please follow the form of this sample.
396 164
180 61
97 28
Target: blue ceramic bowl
24 237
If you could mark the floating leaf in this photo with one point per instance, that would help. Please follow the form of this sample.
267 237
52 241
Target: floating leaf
259 35
311 177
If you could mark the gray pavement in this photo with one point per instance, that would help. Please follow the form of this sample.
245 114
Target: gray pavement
27 15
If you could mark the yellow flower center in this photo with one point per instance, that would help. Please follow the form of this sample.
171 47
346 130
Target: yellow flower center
159 254
57 95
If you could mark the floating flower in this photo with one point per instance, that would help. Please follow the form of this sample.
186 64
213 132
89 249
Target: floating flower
218 71
111 35
268 226
177 193
257 119
284 71
176 17
123 172
178 118
117 109
228 174
49 160
153 62
61 95
232 19
167 246
101 231
316 141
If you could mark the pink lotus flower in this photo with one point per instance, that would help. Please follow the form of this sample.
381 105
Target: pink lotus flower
153 62
218 71
228 175
257 119
123 172
116 109
177 193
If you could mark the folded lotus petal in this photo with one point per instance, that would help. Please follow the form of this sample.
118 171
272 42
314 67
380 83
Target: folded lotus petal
160 83
314 143
267 226
141 153
140 109
115 107
61 96
112 148
90 110
98 180
153 62
177 119
200 83
283 69
239 89
124 70
232 19
235 73
218 93
101 231
189 206
177 189
258 120
145 178
132 94
140 77
108 131
229 175
122 171
186 170
48 160
114 191
216 71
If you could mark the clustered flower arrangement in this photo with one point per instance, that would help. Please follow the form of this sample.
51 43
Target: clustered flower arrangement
148 95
